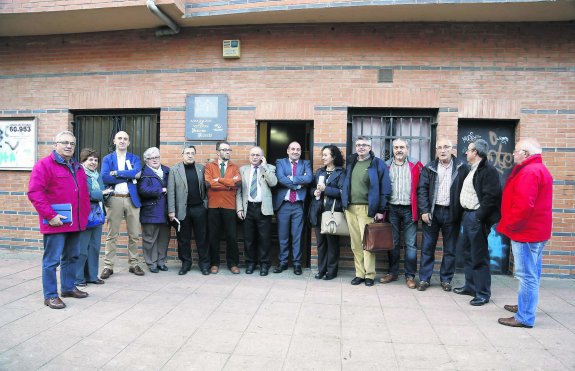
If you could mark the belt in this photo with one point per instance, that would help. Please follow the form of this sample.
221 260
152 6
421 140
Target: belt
441 206
254 203
120 195
394 205
297 202
469 210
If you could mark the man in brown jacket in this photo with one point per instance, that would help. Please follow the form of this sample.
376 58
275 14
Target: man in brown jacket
224 179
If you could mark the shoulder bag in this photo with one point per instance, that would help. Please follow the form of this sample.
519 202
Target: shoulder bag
96 216
333 222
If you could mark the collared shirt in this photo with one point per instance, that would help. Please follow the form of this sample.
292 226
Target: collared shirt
225 165
286 198
121 188
468 196
258 197
400 183
443 184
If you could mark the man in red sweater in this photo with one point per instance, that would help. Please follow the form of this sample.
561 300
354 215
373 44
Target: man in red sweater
224 179
526 219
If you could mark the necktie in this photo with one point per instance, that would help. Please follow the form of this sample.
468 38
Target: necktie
254 184
223 169
292 193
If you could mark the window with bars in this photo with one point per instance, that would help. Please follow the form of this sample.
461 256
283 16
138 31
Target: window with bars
417 127
97 130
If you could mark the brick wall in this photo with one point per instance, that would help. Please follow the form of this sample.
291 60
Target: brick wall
523 72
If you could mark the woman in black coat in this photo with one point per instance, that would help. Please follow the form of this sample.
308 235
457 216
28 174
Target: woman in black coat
152 188
328 183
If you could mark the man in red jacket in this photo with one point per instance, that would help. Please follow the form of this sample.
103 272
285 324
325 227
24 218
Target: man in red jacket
59 180
527 219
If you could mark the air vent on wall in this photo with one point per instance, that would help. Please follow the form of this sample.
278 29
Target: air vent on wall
385 75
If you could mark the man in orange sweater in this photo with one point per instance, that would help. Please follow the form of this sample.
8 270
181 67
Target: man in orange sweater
224 179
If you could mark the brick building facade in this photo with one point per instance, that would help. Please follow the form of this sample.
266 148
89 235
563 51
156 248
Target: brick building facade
319 77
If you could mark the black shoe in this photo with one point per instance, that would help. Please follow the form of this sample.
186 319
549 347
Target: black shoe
205 271
476 302
463 291
297 270
154 270
264 270
423 285
319 276
446 286
81 284
280 268
356 281
329 277
98 282
368 282
163 268
249 269
106 273
185 268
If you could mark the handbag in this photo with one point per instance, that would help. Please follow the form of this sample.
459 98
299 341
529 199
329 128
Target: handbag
96 216
377 237
333 222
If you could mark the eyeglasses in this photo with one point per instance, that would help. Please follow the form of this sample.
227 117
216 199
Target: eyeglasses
154 158
362 145
516 151
439 148
226 150
470 150
66 143
255 155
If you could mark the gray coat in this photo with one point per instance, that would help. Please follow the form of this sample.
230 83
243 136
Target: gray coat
178 189
266 181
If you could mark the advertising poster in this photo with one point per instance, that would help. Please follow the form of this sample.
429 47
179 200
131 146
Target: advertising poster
17 144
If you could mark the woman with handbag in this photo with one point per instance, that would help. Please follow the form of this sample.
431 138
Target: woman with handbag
328 184
91 238
152 188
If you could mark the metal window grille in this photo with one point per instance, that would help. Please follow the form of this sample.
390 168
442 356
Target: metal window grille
417 130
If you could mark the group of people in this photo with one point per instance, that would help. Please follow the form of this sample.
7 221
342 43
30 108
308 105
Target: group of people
462 200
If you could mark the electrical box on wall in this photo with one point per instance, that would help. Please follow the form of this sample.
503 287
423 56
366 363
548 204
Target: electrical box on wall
231 49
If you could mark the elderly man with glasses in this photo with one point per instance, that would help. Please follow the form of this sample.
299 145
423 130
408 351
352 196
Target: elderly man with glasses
438 204
59 180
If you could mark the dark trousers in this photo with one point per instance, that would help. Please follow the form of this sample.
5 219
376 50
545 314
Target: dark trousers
257 235
473 242
441 221
60 249
223 220
196 219
327 253
400 217
290 225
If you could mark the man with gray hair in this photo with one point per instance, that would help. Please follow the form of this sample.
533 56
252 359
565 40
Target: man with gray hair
527 218
480 198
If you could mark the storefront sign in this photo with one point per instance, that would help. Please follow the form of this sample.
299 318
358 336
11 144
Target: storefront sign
206 117
17 143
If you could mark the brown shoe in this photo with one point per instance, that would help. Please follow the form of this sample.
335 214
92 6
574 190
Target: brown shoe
137 270
75 294
214 269
106 273
235 270
410 282
511 308
512 322
388 278
55 303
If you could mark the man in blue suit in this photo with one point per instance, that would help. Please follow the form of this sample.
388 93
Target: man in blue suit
120 169
294 176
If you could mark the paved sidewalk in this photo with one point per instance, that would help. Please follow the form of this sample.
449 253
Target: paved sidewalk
280 322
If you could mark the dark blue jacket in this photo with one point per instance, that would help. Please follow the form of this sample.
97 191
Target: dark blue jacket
154 209
332 193
110 163
379 184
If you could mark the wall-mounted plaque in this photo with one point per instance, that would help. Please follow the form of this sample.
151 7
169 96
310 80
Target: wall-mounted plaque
206 117
17 143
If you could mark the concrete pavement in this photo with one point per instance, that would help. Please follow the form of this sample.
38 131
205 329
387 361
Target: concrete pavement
279 322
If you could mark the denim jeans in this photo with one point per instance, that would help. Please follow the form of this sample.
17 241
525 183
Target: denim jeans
527 257
401 216
89 258
441 222
60 249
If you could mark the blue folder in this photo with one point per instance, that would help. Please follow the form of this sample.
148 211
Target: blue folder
62 209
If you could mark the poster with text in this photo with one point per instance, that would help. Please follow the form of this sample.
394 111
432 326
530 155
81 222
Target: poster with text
17 144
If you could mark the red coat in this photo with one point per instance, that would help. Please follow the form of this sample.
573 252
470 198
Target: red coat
52 182
526 214
415 169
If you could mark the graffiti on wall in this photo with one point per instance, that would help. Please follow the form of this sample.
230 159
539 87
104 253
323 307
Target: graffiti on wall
497 155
